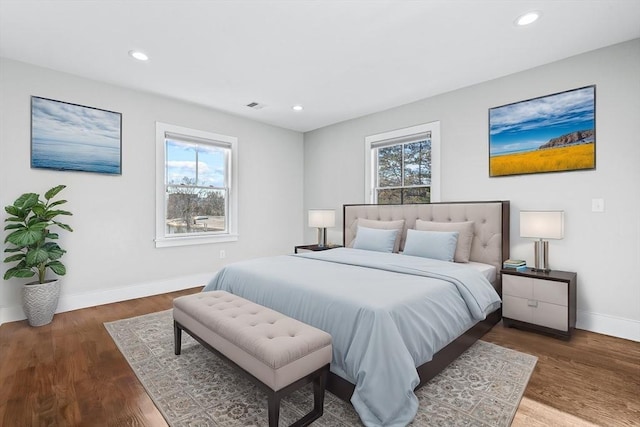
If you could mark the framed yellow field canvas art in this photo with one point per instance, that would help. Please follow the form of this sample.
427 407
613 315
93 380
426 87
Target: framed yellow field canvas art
553 133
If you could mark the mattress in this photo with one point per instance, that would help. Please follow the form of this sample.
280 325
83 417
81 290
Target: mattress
488 271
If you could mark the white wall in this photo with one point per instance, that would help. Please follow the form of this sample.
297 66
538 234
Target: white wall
111 253
603 248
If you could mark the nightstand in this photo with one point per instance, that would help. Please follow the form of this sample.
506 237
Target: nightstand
544 302
314 248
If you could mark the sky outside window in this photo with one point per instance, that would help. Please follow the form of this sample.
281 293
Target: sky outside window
181 164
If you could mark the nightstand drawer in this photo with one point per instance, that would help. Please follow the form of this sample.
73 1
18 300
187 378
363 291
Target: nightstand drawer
516 308
517 286
537 312
550 291
552 316
537 289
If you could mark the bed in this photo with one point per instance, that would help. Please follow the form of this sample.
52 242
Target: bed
396 319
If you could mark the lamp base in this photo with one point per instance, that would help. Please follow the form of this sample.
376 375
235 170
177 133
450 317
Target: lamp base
322 237
541 252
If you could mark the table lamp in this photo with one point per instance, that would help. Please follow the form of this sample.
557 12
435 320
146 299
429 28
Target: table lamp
321 219
542 225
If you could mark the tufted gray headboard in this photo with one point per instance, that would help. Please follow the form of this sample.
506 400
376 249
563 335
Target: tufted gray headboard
490 243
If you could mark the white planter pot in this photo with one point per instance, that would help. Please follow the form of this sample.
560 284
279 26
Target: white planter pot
40 301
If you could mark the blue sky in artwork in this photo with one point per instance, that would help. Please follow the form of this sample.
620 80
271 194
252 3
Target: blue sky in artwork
181 163
524 126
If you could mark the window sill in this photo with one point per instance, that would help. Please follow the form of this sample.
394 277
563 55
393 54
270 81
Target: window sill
166 242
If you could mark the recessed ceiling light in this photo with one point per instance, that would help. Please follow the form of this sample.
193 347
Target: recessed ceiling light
140 56
527 18
298 107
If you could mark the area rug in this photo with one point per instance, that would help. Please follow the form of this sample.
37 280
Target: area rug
483 387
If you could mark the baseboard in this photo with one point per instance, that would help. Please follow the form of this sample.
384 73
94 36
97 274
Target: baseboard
108 296
609 325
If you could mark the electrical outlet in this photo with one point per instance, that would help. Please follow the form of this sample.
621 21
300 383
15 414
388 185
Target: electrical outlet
223 254
597 205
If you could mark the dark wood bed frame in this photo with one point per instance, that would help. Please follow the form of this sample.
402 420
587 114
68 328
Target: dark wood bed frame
344 389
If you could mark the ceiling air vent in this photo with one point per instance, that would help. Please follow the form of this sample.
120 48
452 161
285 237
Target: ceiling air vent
255 105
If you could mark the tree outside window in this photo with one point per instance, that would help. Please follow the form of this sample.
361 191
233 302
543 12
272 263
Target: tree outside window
404 172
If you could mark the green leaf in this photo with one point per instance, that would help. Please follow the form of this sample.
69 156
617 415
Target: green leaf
55 190
13 226
35 220
54 213
56 203
53 250
12 210
24 237
63 226
12 249
13 258
13 219
39 210
39 226
26 201
37 256
27 236
52 236
57 267
18 272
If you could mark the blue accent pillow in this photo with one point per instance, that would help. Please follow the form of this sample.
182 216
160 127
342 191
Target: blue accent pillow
431 244
375 239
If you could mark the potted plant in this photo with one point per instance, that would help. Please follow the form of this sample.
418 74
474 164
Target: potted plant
32 245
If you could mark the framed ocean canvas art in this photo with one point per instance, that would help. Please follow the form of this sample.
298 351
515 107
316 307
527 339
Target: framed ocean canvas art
73 137
553 133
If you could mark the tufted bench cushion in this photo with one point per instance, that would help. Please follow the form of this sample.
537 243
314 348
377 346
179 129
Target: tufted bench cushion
278 351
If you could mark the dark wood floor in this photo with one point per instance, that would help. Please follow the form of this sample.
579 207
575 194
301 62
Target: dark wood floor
70 373
593 378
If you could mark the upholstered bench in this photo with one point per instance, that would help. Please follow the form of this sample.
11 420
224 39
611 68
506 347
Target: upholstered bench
278 353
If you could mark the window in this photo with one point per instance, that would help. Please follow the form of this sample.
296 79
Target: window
402 166
196 196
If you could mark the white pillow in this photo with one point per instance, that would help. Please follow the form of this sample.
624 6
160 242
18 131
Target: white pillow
386 225
375 239
431 244
465 238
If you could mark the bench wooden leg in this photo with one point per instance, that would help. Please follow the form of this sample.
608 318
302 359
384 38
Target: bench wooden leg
319 383
177 338
274 409
275 397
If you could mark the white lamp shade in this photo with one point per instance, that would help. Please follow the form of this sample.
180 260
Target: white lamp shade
542 224
322 218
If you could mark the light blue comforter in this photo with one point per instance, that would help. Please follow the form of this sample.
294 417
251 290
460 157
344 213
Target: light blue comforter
386 313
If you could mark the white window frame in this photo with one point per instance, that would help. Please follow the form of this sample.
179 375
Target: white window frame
400 135
162 239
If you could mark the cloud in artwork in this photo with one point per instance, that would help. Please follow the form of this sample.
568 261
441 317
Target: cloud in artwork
563 109
58 121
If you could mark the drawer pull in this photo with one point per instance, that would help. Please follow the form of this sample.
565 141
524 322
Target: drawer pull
532 303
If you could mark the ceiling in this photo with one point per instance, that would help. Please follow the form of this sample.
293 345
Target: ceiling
339 59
